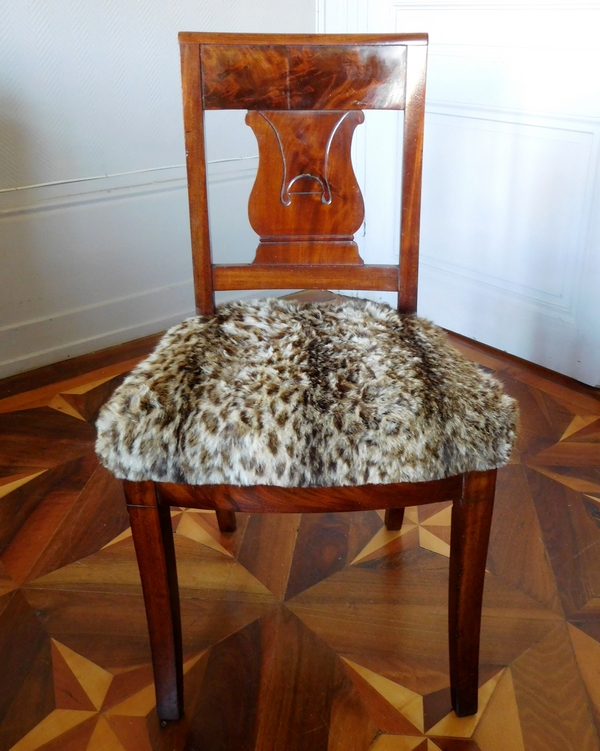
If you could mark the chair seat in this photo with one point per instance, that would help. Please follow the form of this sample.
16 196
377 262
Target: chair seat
277 392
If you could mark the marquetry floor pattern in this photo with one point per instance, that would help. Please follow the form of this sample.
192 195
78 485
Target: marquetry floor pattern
320 633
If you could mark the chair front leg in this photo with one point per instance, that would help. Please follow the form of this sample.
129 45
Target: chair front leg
470 533
155 551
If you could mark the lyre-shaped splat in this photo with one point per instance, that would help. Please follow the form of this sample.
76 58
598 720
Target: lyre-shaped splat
305 204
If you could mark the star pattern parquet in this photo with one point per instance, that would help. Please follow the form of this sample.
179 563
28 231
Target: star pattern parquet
316 632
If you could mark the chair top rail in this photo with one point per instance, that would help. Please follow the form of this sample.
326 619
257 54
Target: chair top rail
199 37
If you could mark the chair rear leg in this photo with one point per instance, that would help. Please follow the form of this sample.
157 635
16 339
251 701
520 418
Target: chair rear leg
226 521
471 520
155 550
394 518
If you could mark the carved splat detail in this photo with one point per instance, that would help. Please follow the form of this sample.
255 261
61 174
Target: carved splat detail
306 204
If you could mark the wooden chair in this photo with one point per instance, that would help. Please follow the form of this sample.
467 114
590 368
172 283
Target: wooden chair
305 96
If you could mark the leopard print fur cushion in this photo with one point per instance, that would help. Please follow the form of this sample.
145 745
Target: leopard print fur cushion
276 392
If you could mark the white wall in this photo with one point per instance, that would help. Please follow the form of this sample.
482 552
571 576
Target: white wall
94 239
510 225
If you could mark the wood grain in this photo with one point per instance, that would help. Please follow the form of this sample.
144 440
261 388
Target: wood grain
300 77
305 203
309 276
554 714
414 118
155 552
193 119
268 498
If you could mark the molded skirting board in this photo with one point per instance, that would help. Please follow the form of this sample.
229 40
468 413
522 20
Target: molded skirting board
105 237
24 346
31 344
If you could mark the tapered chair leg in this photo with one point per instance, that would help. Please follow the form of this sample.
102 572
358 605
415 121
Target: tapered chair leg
226 521
153 539
471 520
394 518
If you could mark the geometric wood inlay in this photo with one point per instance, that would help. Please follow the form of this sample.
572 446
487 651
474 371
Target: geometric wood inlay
321 632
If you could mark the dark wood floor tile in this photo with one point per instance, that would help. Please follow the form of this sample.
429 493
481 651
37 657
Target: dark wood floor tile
436 705
9 483
7 584
42 438
351 727
127 682
536 429
230 689
390 616
525 566
571 537
88 403
554 713
206 622
585 400
38 506
570 454
208 574
382 712
67 527
27 694
231 542
131 734
268 549
590 434
76 739
68 692
456 744
589 623
321 550
112 570
108 629
441 532
384 544
497 719
14 471
581 479
363 527
5 600
431 509
300 677
556 413
587 654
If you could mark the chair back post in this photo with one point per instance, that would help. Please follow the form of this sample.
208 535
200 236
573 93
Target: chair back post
193 118
412 168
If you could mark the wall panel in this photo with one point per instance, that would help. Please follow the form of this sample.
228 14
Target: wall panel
94 234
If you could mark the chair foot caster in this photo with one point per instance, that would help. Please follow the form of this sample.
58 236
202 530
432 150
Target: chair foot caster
174 717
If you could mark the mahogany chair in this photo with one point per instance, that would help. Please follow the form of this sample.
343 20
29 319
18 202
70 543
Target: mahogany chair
304 96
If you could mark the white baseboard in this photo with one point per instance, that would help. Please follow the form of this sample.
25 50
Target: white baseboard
31 344
24 346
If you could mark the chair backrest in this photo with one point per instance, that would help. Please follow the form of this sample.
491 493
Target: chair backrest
304 95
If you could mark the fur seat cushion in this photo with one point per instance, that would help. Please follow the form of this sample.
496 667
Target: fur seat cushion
275 392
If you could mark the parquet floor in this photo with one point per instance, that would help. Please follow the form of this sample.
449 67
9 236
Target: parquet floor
315 633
